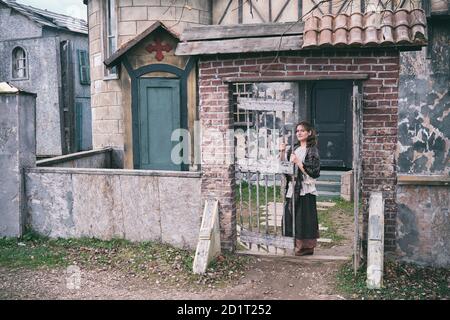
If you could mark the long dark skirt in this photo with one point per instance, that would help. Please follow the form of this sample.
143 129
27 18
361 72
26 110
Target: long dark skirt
306 221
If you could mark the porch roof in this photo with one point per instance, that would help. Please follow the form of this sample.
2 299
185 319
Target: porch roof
402 29
7 88
115 58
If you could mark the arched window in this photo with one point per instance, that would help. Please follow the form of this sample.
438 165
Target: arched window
19 63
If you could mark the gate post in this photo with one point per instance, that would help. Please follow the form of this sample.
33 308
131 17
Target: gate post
217 145
17 152
375 248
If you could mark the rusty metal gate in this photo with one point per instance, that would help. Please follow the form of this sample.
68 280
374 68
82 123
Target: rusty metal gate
260 173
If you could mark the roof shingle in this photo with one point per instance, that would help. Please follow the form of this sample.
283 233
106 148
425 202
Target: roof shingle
48 18
374 28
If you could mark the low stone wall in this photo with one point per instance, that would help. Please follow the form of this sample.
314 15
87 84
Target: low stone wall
101 159
106 204
423 223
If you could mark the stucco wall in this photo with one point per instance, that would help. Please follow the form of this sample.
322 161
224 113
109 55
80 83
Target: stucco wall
42 79
106 204
16 26
17 151
424 104
423 225
42 48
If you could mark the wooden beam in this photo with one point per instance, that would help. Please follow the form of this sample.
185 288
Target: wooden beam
225 12
282 10
241 31
352 76
292 258
242 45
258 13
422 180
270 10
264 167
265 105
240 11
318 7
266 239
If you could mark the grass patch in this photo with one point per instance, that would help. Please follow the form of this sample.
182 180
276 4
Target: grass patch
156 262
333 218
402 281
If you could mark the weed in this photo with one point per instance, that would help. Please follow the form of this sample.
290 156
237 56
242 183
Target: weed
402 281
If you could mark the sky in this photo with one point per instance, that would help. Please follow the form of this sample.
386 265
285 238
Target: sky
73 8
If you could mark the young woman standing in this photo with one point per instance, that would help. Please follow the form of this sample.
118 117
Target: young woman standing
307 163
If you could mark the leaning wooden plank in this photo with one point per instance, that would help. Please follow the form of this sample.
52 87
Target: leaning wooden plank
266 239
209 239
240 45
265 105
241 31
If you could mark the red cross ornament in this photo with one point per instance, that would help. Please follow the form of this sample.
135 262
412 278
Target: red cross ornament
159 48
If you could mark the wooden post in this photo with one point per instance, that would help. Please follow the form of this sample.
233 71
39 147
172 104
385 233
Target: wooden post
375 248
357 133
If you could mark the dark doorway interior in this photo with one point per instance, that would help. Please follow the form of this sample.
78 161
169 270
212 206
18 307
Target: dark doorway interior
331 116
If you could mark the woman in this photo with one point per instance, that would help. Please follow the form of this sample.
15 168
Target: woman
307 163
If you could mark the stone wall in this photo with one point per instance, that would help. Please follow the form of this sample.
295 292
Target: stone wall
107 204
379 116
108 110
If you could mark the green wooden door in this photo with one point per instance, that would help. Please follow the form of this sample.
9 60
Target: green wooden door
159 115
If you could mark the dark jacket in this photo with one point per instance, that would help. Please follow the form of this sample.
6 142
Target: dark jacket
311 166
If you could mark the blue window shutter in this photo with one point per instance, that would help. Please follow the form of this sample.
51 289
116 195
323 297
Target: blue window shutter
83 62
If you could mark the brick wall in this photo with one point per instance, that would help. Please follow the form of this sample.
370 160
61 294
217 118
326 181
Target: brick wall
379 117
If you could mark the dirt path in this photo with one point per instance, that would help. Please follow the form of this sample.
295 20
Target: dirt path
267 278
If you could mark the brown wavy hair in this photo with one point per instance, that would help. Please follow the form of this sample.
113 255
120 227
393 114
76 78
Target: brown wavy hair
312 139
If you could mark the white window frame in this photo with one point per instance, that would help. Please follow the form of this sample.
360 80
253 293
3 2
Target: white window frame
110 35
15 69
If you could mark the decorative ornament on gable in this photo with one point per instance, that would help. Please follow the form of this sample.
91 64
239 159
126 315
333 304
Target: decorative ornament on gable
159 47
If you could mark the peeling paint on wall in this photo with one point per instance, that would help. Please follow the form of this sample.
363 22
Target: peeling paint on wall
424 107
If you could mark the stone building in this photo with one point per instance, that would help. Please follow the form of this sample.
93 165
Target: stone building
47 53
161 65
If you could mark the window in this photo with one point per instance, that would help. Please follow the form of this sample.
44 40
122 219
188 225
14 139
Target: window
110 33
83 63
19 64
241 118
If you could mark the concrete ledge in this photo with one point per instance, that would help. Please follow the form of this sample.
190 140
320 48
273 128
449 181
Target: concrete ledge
425 180
116 172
